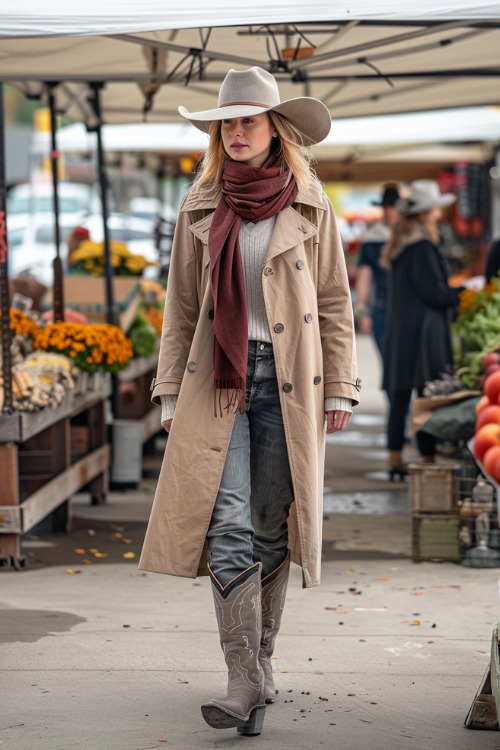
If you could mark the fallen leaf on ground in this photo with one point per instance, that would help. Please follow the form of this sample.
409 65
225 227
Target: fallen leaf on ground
79 551
415 622
100 554
129 555
72 571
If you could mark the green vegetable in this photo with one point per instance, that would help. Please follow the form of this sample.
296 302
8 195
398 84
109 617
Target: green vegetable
143 337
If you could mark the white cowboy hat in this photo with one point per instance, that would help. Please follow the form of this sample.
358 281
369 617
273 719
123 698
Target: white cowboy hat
244 93
424 196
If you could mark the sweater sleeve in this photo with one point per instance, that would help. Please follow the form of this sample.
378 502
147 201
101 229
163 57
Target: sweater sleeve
168 404
338 404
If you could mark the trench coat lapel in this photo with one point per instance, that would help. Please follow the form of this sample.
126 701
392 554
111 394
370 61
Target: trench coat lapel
290 230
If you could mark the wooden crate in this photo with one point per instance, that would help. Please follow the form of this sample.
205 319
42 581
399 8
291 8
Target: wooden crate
434 488
435 537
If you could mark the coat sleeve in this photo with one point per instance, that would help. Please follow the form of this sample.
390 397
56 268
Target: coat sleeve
181 312
335 312
428 277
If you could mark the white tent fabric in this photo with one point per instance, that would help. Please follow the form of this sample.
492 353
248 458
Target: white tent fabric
31 18
395 58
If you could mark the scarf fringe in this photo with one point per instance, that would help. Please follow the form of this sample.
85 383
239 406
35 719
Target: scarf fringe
234 391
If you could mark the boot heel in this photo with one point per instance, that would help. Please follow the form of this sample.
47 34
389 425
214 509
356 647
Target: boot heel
253 726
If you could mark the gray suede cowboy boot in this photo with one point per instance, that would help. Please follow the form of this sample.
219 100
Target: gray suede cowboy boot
238 610
274 588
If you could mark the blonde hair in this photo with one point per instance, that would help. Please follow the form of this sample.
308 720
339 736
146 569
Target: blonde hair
402 230
293 154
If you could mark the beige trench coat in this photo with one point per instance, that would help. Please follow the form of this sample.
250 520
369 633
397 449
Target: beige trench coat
309 310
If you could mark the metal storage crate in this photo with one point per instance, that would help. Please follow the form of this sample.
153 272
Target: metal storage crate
434 488
435 537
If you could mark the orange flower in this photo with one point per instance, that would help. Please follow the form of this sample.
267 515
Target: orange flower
21 324
91 346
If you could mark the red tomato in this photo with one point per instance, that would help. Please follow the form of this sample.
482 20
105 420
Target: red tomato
491 462
490 359
491 387
482 404
487 436
489 415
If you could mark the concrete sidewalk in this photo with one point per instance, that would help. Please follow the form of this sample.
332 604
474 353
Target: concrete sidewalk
385 654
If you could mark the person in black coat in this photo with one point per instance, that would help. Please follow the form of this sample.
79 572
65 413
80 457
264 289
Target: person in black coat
418 339
370 309
493 260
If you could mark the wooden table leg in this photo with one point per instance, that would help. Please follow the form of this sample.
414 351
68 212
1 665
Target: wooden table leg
10 543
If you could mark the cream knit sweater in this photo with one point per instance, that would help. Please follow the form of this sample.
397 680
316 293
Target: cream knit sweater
254 241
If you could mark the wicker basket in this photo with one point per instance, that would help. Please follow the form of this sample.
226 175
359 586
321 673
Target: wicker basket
434 488
435 537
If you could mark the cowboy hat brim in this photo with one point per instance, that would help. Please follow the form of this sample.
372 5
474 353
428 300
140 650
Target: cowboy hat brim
407 208
310 116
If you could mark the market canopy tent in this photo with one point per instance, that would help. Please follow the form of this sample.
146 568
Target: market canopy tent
358 60
63 17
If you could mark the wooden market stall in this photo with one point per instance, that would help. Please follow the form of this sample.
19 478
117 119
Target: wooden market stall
45 458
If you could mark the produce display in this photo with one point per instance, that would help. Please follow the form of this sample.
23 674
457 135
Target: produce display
487 434
47 357
146 328
478 328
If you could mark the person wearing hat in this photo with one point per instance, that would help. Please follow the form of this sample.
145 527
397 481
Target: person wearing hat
421 304
371 279
257 361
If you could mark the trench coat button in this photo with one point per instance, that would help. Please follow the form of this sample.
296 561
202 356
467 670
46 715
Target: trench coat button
358 384
152 386
279 328
308 318
287 387
317 379
300 264
210 314
268 271
192 366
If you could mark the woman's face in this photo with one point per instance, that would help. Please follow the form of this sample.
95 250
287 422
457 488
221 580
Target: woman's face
248 139
433 216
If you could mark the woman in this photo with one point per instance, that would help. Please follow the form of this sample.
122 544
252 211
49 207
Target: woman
418 341
258 333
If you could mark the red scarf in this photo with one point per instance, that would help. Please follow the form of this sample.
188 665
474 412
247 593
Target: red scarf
252 194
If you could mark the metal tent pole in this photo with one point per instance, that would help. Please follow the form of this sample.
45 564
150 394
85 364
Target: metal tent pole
103 182
6 337
58 300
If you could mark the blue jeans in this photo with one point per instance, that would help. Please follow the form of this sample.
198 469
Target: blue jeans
249 521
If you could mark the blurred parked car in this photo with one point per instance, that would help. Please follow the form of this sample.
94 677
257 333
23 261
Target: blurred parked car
27 200
32 247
